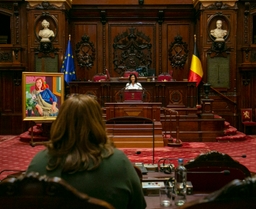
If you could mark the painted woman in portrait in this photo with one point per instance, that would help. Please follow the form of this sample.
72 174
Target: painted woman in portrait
45 100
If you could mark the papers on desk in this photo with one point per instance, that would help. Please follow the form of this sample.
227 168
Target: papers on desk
151 188
153 185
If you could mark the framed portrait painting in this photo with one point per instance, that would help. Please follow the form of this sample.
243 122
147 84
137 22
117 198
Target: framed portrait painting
42 95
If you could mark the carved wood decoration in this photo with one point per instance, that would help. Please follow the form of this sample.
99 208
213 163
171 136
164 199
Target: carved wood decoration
5 56
132 50
17 21
246 22
218 49
160 22
46 49
178 53
85 52
218 5
45 6
103 20
246 79
175 97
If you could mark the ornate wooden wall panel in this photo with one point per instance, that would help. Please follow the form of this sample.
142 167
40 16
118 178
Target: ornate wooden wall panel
159 37
248 89
92 31
226 93
183 31
130 2
247 96
246 59
56 17
123 32
228 18
13 60
170 94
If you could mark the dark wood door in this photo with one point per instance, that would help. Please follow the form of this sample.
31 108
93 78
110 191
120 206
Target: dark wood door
11 102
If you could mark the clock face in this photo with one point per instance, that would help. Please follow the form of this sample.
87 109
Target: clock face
218 72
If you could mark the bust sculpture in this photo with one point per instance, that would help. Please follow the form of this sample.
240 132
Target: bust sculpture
218 33
46 33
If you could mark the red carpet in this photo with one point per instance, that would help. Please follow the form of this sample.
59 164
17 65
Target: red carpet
6 137
16 155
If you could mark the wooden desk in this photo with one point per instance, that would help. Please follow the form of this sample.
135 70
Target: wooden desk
136 135
171 94
133 133
153 202
152 198
140 109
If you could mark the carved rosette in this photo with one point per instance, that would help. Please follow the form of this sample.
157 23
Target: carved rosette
5 56
175 97
132 50
178 53
85 52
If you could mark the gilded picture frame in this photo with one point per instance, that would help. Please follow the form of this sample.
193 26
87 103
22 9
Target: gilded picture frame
42 95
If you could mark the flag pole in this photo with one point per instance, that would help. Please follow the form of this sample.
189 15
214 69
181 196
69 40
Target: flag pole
68 65
198 89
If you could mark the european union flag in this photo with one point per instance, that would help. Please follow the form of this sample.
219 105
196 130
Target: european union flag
68 65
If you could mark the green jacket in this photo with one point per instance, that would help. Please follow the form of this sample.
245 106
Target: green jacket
114 181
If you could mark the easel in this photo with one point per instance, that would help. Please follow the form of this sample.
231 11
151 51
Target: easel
46 131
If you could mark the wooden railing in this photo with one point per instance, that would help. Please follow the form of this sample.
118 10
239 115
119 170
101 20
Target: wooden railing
170 112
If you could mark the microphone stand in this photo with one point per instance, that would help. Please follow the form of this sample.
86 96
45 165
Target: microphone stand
121 92
153 142
143 93
153 166
223 172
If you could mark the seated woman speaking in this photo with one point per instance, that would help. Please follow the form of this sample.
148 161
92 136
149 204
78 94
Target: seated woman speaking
133 84
80 152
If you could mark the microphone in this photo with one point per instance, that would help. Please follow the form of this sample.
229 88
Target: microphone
135 153
108 76
225 172
170 159
242 156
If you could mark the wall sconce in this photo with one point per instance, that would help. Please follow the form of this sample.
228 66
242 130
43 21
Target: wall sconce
141 2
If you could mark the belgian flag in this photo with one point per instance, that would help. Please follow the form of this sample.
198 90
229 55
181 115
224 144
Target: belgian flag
196 70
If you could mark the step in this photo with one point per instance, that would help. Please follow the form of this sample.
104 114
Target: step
238 137
26 137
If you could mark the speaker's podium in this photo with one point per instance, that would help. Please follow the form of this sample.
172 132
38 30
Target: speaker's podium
125 124
133 95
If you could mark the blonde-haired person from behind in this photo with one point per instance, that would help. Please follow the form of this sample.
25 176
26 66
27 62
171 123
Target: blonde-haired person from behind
81 153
